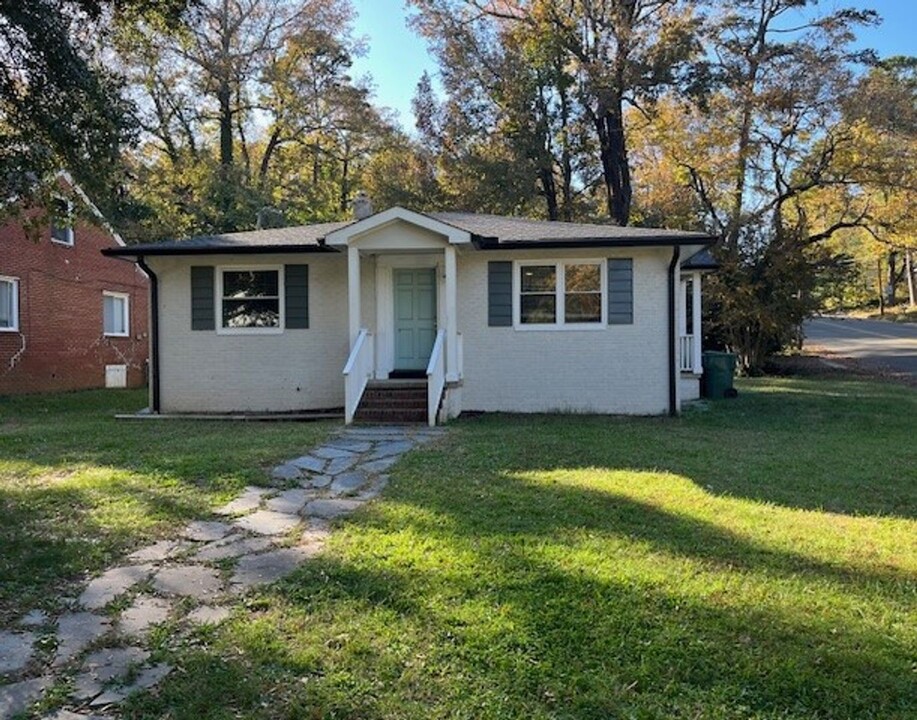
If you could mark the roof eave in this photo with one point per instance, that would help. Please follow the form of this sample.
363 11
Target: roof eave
492 243
147 251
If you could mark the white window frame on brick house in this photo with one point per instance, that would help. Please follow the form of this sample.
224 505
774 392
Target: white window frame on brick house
67 239
11 285
559 294
125 313
267 330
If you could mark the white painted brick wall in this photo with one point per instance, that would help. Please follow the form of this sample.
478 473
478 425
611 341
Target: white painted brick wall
620 369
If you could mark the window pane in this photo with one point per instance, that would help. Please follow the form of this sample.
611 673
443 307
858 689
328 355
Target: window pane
60 223
242 284
583 308
583 278
6 304
538 278
538 309
113 312
251 313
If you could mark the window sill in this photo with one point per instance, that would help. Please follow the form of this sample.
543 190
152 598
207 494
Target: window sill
116 335
62 243
9 329
591 327
249 331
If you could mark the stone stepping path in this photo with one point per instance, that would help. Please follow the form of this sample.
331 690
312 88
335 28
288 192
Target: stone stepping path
196 578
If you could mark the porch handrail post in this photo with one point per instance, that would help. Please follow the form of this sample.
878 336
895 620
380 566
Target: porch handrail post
353 292
451 302
696 320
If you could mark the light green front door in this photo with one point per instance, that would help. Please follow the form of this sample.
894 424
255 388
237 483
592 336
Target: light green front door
415 317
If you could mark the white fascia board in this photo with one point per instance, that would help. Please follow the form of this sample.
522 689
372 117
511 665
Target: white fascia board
344 235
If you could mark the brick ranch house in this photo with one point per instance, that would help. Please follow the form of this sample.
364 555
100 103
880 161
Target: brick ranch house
70 317
404 316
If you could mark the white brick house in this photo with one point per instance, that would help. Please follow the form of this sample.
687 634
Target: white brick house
403 315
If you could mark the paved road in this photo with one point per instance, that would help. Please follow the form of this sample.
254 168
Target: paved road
878 344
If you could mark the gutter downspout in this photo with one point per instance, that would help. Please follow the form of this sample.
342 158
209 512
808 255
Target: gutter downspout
673 374
154 332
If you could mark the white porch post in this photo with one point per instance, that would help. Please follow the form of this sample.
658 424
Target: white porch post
698 361
682 305
354 287
451 315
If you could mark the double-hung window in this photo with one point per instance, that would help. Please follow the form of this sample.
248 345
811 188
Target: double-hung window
9 304
62 221
250 299
567 293
115 314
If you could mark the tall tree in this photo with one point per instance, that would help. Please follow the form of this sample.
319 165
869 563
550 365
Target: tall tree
61 105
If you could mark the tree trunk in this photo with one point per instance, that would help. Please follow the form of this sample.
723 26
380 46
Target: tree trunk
880 288
549 190
224 97
892 277
609 126
909 268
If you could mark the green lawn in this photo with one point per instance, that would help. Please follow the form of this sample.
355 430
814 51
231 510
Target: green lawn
757 559
78 488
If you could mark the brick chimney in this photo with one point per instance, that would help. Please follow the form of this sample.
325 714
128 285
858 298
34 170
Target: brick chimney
362 206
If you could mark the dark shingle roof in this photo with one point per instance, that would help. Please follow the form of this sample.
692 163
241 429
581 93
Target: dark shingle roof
487 231
701 260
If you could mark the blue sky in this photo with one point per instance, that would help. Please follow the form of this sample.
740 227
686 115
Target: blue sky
397 57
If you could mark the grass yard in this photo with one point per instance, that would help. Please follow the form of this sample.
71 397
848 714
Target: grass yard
79 488
757 559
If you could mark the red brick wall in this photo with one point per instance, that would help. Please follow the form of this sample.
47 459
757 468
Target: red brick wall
60 344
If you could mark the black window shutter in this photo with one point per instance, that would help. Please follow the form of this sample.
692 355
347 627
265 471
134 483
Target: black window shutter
202 310
620 291
296 292
500 294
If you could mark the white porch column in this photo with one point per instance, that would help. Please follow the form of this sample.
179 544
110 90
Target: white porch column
451 315
698 335
682 306
354 288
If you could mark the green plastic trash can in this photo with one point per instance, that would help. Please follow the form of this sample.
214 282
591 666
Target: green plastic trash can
719 369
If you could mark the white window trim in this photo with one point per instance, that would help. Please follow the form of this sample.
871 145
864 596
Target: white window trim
15 282
69 241
249 330
560 293
126 313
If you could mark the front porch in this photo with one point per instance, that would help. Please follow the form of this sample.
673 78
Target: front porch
402 300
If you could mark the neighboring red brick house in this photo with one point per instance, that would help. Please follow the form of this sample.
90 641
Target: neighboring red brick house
70 318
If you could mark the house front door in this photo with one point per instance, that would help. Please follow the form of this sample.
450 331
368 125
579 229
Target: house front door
415 317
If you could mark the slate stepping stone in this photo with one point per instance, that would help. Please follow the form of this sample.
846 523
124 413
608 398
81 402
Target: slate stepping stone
331 507
16 698
206 531
388 449
196 581
379 466
289 501
146 612
355 446
70 715
317 481
331 453
372 492
315 536
225 550
33 618
287 471
339 465
268 522
147 678
308 462
157 552
76 631
249 500
104 666
209 614
112 583
267 567
15 651
348 483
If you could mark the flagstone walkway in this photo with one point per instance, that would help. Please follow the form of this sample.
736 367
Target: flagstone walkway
96 648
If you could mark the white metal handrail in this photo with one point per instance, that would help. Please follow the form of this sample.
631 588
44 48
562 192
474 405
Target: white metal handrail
686 350
436 377
357 372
